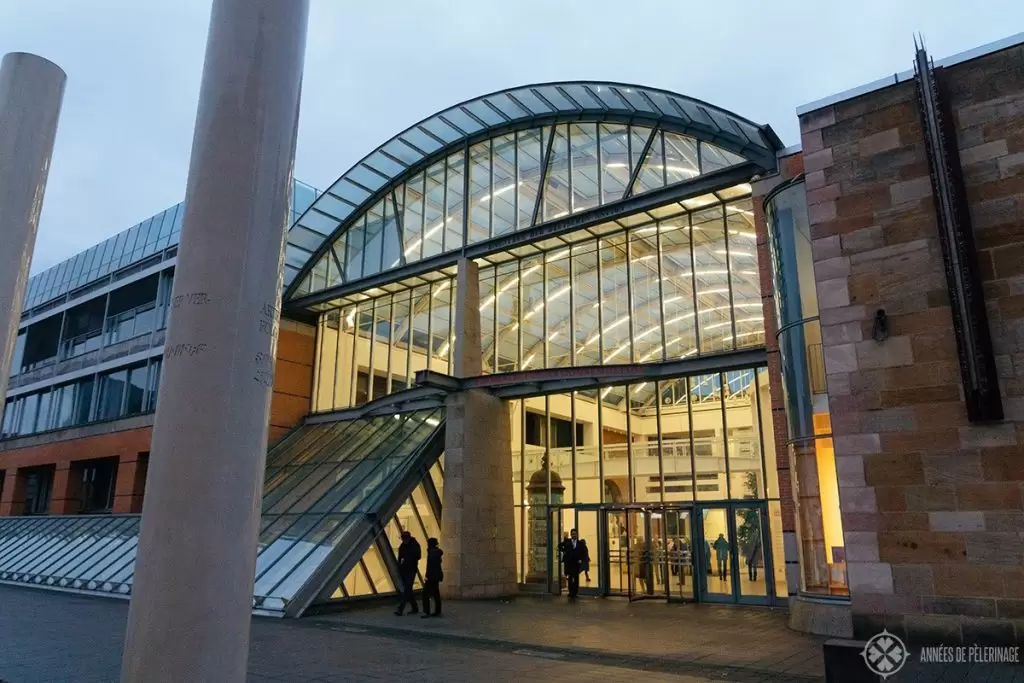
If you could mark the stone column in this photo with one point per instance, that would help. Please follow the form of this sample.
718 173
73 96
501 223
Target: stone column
477 521
192 594
31 92
468 354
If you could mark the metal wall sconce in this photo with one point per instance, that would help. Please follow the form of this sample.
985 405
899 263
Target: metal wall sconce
880 330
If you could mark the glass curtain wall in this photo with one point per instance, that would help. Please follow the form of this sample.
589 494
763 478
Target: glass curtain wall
662 290
515 181
106 396
694 439
822 549
374 348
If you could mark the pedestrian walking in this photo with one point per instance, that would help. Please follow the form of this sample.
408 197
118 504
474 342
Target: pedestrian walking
434 577
574 556
408 563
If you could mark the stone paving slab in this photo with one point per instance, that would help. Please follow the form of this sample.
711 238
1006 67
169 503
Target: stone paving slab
50 637
735 642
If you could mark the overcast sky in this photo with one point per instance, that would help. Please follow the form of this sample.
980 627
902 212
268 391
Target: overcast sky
373 68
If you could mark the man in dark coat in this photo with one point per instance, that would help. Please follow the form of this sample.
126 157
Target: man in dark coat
408 561
433 578
574 557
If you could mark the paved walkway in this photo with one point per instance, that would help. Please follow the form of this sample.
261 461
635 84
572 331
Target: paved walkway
50 637
724 642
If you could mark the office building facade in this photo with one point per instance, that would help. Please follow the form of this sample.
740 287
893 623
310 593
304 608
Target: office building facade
588 306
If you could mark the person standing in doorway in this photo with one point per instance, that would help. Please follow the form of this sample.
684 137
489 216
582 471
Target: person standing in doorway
755 553
433 579
574 556
722 554
408 563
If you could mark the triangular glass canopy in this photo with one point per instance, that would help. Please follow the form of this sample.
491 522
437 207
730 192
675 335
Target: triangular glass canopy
334 494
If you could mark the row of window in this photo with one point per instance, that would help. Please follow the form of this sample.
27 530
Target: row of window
129 312
107 396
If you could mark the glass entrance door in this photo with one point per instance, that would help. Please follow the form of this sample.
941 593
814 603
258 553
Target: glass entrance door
617 544
588 527
679 554
731 564
751 540
638 555
646 566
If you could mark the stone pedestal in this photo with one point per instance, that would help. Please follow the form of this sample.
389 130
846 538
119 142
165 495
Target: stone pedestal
192 592
827 617
31 92
477 524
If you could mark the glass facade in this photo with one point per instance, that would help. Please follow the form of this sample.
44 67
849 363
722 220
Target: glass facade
507 183
672 446
151 236
682 285
822 548
103 396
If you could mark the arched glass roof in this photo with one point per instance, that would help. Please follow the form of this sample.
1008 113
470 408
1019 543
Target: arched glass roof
648 138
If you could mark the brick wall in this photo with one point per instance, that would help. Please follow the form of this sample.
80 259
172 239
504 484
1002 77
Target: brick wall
932 505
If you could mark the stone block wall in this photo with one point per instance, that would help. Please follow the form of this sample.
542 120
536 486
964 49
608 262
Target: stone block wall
478 527
932 505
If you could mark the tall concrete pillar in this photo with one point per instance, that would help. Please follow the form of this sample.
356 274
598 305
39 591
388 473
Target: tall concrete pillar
477 522
192 595
31 92
468 359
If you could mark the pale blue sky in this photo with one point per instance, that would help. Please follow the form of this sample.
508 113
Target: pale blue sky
371 70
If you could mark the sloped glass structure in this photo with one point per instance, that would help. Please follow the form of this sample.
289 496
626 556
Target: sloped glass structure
94 554
332 490
508 162
148 239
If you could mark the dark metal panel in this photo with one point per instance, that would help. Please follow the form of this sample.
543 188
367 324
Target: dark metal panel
956 235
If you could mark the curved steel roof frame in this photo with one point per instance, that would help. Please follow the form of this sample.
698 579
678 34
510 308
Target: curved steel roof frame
528 106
